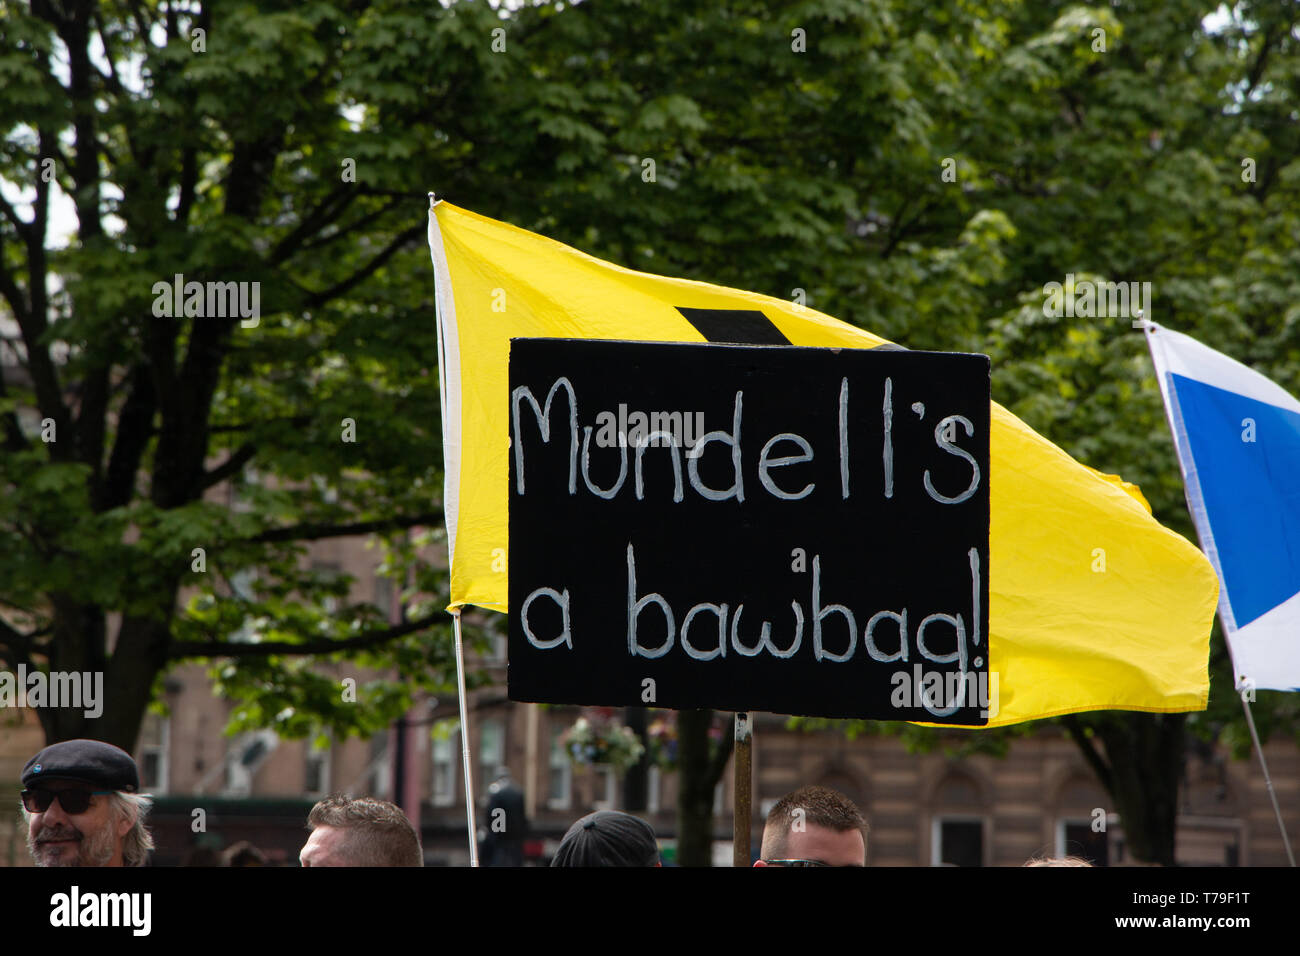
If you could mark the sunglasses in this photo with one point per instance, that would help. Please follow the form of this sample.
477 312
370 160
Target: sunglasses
72 801
797 863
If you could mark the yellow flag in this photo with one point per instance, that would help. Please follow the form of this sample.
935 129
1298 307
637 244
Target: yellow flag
1093 604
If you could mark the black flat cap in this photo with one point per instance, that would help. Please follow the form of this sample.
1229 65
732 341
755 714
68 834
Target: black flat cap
88 761
608 838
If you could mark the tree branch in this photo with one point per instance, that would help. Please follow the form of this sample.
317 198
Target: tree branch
1098 764
298 420
11 292
344 231
184 649
24 228
1257 70
14 440
329 209
315 532
111 77
134 429
231 466
368 269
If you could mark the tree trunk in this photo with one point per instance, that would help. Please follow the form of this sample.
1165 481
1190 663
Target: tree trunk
701 767
695 789
636 784
1146 756
1144 761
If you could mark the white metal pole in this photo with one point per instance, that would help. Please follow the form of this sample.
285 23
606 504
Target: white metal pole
464 743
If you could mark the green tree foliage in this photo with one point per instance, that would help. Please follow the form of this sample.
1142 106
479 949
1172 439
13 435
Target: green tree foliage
919 169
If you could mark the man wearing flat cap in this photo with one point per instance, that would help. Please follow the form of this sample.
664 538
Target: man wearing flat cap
82 808
608 838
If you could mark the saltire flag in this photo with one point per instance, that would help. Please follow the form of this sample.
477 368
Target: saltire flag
1237 434
1093 604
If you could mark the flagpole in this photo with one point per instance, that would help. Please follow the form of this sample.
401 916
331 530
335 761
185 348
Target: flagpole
1268 782
464 742
455 611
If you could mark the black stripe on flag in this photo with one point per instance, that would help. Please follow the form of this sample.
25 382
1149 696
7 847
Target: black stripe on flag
735 326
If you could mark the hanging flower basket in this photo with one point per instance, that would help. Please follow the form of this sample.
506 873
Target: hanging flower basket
661 739
590 742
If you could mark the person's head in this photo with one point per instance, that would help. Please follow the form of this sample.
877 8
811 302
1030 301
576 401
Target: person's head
360 831
243 853
608 838
814 826
82 808
1058 861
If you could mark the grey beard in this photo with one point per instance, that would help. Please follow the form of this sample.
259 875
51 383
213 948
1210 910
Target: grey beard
94 850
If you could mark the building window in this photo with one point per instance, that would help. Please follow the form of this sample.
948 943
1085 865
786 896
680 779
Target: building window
155 740
560 792
1077 838
244 758
652 784
316 772
957 841
444 769
491 751
381 768
385 594
238 499
329 572
606 796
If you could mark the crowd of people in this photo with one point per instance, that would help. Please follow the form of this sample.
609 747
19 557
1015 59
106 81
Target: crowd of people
82 805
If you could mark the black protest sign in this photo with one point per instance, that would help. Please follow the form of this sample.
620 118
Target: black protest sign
793 530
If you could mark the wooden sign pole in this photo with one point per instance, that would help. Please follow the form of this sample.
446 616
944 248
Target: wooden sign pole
742 790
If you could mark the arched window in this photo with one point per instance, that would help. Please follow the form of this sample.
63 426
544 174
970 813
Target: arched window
958 828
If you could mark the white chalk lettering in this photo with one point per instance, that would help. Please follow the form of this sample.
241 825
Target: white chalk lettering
586 468
677 463
634 607
869 636
523 392
737 489
819 613
563 601
765 635
941 440
719 611
844 438
764 463
887 453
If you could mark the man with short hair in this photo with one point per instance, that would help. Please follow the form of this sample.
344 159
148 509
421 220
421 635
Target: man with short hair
814 826
81 806
360 831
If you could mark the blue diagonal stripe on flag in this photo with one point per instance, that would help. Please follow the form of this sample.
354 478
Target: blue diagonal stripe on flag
1248 456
